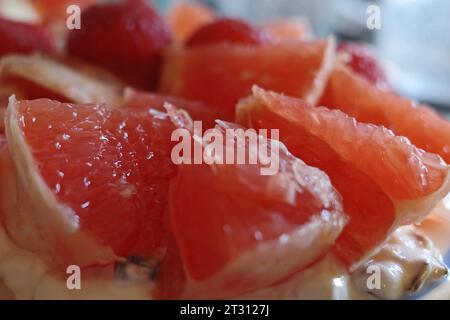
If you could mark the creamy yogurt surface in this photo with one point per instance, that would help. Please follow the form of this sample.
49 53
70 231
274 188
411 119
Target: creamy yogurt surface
27 275
408 262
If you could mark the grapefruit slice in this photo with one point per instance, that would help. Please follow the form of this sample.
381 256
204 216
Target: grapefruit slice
353 95
38 76
139 100
235 230
85 179
385 181
299 69
187 17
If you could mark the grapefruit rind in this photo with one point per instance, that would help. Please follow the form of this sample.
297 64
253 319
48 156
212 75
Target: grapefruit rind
33 216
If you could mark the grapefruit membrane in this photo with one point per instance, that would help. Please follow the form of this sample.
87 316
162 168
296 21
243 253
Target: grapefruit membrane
235 230
221 74
39 76
385 181
140 100
86 182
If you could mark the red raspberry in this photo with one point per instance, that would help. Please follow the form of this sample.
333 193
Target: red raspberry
364 62
126 37
19 37
230 31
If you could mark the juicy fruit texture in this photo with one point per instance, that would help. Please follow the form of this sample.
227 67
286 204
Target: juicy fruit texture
110 167
353 95
384 180
228 30
362 60
19 37
235 230
144 101
299 69
187 17
133 49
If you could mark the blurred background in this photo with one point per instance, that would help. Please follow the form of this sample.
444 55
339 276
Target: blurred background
412 37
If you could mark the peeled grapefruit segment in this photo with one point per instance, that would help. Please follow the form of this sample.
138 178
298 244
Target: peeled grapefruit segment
90 171
385 181
299 69
235 230
187 17
353 95
139 100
